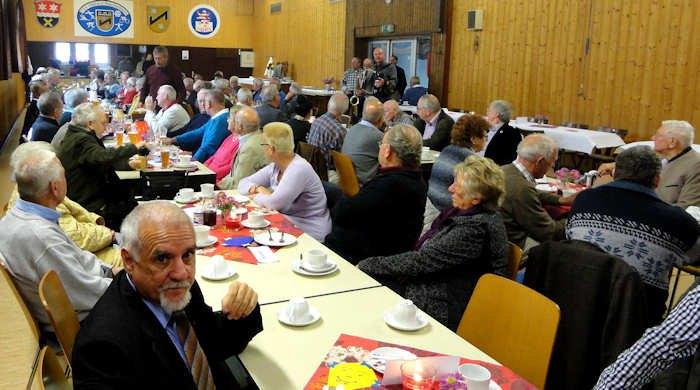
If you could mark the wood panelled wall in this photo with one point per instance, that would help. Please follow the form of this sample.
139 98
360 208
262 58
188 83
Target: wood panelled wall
307 34
642 64
410 18
11 101
236 25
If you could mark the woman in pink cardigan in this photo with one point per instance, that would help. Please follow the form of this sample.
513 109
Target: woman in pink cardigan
221 161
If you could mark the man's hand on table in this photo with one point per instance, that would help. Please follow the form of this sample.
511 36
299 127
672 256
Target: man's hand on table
239 301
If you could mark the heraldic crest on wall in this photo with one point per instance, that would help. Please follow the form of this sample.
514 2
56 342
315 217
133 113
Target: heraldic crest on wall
47 12
104 18
204 21
158 18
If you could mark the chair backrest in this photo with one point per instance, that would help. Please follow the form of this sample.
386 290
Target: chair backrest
162 184
515 254
513 324
60 311
346 173
15 130
315 157
50 373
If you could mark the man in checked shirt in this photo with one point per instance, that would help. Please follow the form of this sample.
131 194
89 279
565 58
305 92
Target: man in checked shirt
674 339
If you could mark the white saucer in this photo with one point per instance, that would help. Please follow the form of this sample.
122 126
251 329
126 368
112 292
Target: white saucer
208 271
282 317
263 238
190 164
296 267
421 318
378 357
251 226
196 198
307 267
211 241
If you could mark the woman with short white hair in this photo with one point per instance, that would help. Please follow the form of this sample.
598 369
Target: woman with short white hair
502 139
289 184
90 167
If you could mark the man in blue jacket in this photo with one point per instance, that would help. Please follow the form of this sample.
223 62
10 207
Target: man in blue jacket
205 140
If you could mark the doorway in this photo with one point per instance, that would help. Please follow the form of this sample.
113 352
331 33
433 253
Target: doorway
412 54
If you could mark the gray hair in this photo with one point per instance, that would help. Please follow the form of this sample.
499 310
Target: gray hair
131 81
429 102
85 113
49 102
188 81
170 92
415 80
257 83
268 93
536 146
215 95
244 96
140 82
338 103
295 88
248 120
373 110
75 96
233 79
407 143
220 84
156 210
638 164
681 130
503 109
34 166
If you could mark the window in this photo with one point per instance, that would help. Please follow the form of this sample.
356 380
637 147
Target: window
82 52
101 53
62 51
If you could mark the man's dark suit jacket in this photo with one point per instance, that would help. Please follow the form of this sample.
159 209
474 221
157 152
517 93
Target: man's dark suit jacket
503 146
269 114
121 344
44 129
441 136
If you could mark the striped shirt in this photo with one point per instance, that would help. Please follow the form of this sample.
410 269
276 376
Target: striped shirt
327 134
350 79
676 338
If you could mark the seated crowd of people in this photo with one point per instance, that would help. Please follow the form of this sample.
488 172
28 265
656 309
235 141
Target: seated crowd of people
428 241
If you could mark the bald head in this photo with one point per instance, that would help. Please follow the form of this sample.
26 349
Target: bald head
378 54
338 104
373 112
247 121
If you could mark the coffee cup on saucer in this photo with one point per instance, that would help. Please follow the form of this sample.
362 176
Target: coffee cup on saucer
316 259
201 234
185 194
207 190
218 265
255 218
185 159
476 376
298 310
405 312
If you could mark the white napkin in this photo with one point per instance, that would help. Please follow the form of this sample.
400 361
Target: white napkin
263 254
694 211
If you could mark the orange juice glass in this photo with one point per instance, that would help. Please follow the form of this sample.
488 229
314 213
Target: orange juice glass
164 158
120 138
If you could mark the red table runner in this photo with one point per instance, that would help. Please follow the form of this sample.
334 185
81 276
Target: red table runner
353 349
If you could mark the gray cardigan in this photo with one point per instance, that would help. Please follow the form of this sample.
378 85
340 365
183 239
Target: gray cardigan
440 276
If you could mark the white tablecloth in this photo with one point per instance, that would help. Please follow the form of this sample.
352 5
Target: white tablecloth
413 109
316 92
651 145
575 140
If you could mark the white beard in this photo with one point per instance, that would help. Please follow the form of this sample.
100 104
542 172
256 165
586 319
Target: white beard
172 306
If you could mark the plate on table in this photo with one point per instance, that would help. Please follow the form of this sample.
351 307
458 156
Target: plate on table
264 239
211 240
546 188
189 165
421 321
208 272
378 357
297 267
196 198
249 225
284 318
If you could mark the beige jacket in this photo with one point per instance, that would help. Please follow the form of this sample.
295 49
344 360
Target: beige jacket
249 159
523 213
680 180
82 227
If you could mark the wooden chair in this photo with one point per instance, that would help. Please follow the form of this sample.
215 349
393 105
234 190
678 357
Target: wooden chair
346 173
691 269
60 311
315 157
515 254
50 371
513 324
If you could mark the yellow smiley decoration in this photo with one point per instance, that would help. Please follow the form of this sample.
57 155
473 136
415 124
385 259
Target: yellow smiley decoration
352 376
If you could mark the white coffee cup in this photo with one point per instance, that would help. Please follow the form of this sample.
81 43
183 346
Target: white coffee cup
186 194
298 310
207 190
405 312
521 119
218 265
201 234
316 259
255 218
476 376
426 149
185 159
568 191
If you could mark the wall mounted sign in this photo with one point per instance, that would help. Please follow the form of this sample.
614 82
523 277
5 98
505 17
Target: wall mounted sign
104 18
47 12
158 18
204 21
247 59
